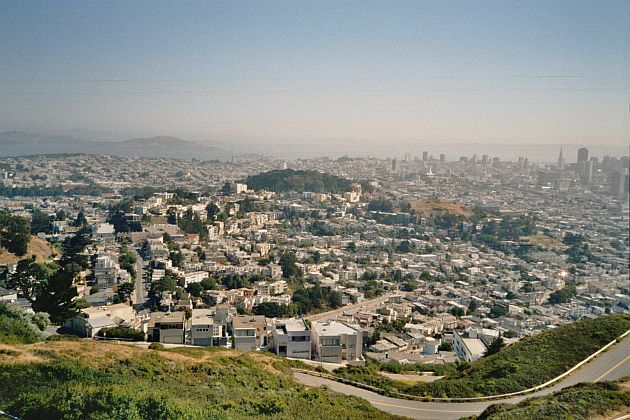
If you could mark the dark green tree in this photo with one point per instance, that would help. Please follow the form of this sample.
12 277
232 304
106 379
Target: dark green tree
125 290
495 346
15 233
289 266
74 259
195 289
212 211
55 296
40 222
27 277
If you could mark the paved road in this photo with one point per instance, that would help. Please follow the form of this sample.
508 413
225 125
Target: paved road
140 290
613 364
366 305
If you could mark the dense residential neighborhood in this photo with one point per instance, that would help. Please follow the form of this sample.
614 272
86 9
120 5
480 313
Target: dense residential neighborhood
334 261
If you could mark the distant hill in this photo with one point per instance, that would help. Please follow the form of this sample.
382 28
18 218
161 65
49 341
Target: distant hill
19 143
300 181
19 138
89 380
160 141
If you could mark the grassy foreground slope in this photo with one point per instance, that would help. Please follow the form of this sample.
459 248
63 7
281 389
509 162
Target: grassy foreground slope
582 401
79 379
528 363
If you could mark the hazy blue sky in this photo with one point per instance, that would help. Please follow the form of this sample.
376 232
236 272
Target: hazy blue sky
419 71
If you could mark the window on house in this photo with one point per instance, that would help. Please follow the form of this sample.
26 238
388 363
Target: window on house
299 338
329 341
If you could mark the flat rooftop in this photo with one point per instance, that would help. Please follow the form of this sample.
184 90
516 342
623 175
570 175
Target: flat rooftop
249 321
202 317
333 328
474 345
290 325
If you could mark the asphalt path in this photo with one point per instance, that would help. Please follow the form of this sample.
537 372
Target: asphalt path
610 365
140 290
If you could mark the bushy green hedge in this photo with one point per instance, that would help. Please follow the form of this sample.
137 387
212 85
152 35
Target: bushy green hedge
123 333
583 401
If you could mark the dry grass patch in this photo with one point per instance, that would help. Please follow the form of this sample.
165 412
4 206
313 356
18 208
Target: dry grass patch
36 246
436 207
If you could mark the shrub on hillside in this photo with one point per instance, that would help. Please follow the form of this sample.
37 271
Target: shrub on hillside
156 346
16 326
122 333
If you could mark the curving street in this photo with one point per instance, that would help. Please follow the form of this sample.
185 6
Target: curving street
611 365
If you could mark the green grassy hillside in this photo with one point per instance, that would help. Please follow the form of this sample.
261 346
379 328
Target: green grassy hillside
528 363
579 402
84 380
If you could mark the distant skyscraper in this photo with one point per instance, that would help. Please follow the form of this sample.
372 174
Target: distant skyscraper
484 159
619 184
442 157
585 169
407 157
425 156
560 160
582 154
394 164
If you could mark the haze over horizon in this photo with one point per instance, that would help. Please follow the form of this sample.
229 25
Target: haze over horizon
328 77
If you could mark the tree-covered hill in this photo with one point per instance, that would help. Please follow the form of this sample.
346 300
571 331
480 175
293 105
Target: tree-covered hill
291 180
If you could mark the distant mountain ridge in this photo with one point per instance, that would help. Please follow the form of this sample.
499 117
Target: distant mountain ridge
10 138
159 141
19 143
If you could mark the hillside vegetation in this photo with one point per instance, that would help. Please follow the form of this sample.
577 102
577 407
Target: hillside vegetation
89 380
18 327
582 401
291 180
40 248
528 363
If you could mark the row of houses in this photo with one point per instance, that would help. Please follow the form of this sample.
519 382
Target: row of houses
330 342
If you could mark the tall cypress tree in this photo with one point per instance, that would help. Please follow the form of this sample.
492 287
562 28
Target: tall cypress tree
55 296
